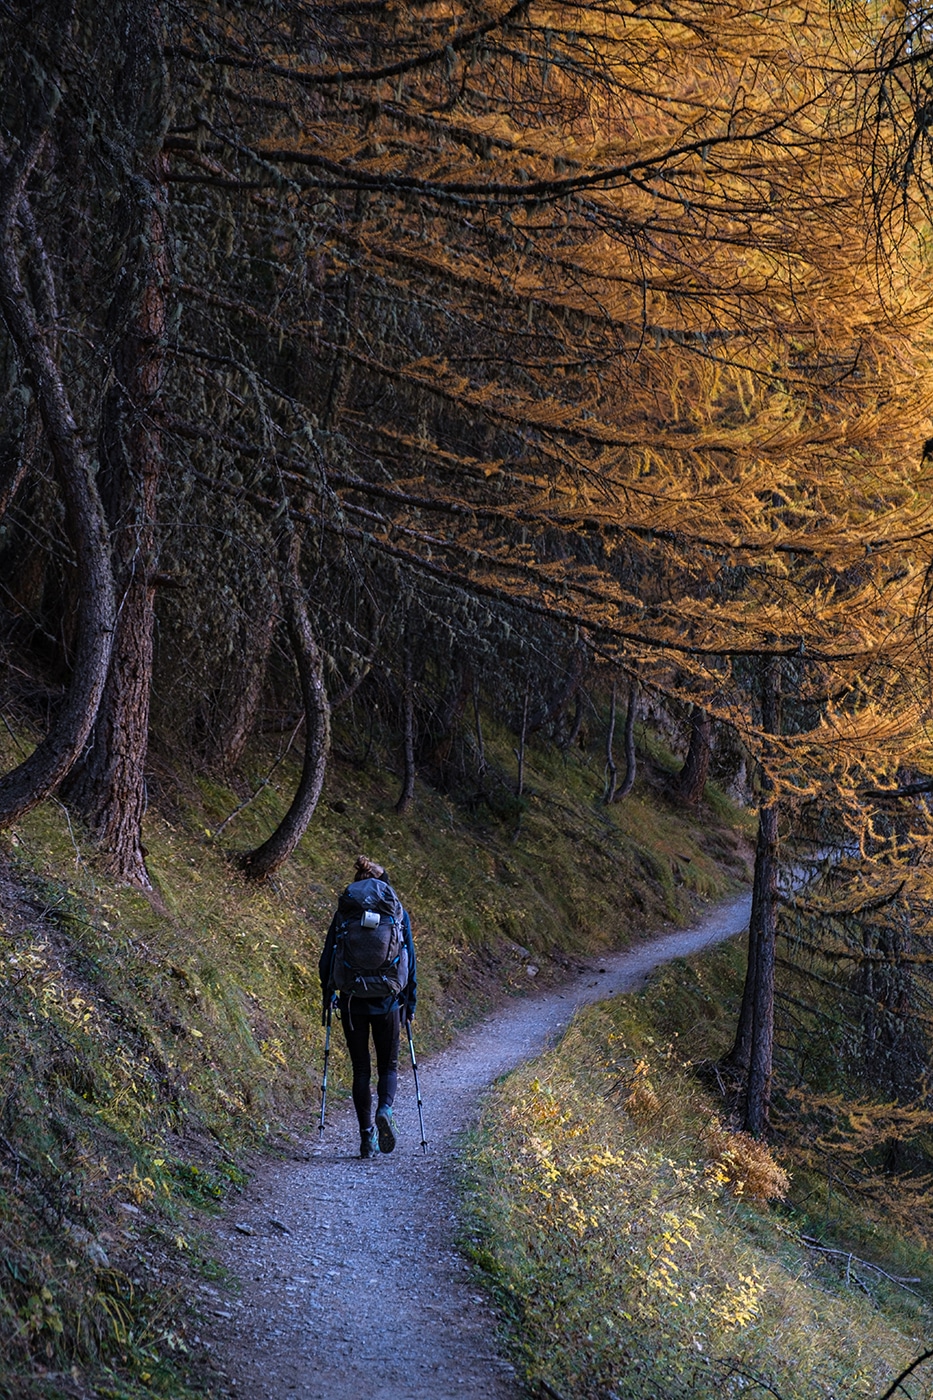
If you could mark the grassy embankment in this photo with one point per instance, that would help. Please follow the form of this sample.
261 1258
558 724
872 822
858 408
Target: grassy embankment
146 1044
640 1250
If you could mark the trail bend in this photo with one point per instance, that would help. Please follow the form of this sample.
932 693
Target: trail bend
366 1296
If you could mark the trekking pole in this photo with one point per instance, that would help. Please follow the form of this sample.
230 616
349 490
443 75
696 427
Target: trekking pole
325 1021
414 1067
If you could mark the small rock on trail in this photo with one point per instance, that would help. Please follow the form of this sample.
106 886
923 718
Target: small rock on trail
352 1287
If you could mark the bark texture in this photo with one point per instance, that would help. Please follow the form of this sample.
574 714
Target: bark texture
691 780
25 313
18 447
109 788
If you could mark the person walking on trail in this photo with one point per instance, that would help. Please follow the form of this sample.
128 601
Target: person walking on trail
368 961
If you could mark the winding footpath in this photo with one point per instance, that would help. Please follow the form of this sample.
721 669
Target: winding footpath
351 1286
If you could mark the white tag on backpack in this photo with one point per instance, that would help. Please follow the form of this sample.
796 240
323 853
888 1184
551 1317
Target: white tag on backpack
369 919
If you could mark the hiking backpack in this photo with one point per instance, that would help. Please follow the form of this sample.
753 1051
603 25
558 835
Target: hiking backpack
370 957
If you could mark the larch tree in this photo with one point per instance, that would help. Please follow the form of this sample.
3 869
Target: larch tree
617 236
559 310
29 306
108 786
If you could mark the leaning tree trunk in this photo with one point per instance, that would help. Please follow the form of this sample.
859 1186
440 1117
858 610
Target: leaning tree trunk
691 780
267 858
25 315
109 787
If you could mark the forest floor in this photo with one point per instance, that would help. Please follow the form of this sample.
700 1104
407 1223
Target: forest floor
345 1279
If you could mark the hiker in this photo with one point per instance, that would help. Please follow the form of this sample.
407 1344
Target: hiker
369 961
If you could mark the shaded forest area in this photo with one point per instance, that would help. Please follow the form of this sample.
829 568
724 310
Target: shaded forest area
382 366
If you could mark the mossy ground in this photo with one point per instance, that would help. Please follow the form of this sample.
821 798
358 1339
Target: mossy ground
150 1042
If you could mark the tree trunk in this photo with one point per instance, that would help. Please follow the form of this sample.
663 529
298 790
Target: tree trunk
520 751
109 787
611 770
613 792
18 448
408 733
266 859
480 741
691 780
34 341
753 1051
628 782
758 1090
739 1056
576 723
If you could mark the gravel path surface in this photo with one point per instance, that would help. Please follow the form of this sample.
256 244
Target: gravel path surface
351 1286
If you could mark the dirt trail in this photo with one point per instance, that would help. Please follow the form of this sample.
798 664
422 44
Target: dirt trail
352 1288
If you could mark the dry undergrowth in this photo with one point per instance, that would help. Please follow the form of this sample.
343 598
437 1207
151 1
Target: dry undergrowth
745 1165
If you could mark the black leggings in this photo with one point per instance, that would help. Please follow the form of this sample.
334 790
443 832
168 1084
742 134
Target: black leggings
357 1024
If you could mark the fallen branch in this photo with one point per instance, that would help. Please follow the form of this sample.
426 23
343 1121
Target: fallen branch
811 1243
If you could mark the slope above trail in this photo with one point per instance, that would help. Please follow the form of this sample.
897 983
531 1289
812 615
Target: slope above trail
351 1284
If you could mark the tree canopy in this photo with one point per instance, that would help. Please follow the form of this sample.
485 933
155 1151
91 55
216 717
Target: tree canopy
344 342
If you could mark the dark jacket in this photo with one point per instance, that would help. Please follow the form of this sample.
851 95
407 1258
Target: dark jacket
375 1006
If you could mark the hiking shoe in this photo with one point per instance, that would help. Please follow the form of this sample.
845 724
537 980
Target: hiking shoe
369 1143
385 1127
